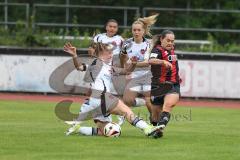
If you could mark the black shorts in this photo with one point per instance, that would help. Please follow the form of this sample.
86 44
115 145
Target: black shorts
159 100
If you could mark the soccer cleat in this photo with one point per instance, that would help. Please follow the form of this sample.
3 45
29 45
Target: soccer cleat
121 120
159 133
73 129
150 130
72 122
162 126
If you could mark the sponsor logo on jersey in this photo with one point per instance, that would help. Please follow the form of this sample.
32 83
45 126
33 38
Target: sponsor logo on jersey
172 58
153 55
143 51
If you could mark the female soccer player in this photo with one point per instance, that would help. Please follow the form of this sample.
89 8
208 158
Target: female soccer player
111 38
138 47
101 101
164 68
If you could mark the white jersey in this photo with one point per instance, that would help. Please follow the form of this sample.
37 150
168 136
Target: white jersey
138 50
116 41
103 80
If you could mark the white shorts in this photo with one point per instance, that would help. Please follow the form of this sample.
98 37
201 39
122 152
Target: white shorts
102 118
92 105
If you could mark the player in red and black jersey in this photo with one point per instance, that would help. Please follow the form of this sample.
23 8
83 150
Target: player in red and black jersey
164 68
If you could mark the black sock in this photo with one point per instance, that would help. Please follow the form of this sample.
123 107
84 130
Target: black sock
154 123
135 121
94 131
164 118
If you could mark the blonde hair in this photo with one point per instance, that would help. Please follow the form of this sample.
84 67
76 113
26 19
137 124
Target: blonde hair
146 22
99 47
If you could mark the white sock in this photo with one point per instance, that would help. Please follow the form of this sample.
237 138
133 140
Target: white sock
141 124
139 102
88 131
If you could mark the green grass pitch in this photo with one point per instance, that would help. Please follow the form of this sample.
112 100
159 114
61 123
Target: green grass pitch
30 130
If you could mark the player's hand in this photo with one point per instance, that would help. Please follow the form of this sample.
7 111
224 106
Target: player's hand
167 64
125 47
70 49
133 60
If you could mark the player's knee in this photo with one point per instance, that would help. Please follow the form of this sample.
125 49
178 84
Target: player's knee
168 105
128 100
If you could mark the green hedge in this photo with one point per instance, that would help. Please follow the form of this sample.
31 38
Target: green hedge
25 37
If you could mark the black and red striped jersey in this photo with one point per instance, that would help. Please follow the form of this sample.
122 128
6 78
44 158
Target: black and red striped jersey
159 72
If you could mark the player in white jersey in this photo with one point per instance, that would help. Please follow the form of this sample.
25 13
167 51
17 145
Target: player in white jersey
116 41
101 101
110 37
138 47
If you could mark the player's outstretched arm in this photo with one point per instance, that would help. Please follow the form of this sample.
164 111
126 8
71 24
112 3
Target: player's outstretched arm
129 66
143 64
123 59
73 52
155 61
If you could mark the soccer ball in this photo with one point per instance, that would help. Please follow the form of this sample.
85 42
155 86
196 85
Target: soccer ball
112 130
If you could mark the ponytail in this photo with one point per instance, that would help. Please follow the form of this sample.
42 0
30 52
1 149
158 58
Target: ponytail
147 22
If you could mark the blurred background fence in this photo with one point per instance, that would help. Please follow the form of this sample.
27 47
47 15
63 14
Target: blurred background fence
215 29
